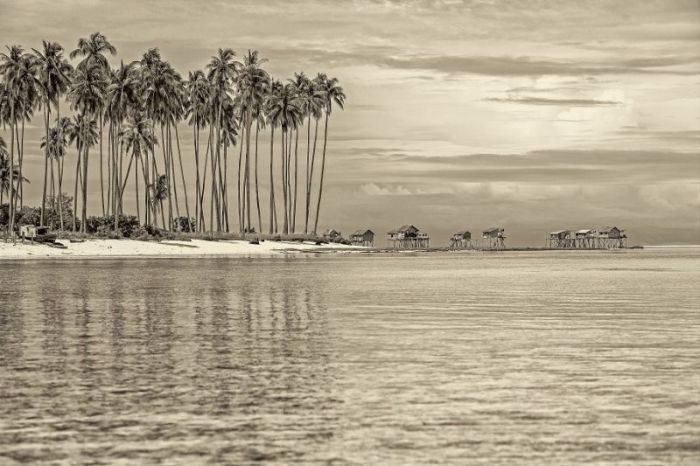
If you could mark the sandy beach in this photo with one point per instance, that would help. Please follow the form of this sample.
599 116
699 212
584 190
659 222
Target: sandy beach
166 248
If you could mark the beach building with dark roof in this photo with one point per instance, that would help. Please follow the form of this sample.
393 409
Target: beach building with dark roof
408 237
495 237
560 239
461 240
364 237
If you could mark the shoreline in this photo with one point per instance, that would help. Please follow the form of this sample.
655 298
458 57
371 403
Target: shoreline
98 248
170 248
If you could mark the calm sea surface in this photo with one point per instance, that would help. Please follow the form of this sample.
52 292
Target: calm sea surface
513 358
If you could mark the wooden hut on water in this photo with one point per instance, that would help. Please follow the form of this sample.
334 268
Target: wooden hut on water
588 238
408 237
362 238
611 238
560 239
461 240
585 238
495 238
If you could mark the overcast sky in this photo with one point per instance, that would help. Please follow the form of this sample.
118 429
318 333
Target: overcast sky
531 115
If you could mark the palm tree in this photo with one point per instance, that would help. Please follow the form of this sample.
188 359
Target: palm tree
228 97
281 108
122 98
333 93
252 85
94 50
53 77
272 115
87 94
5 181
197 108
55 147
311 101
6 175
222 70
20 84
137 139
163 99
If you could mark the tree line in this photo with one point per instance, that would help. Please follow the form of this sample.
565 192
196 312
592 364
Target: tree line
132 116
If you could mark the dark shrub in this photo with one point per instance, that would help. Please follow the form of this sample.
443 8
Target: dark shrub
183 224
104 226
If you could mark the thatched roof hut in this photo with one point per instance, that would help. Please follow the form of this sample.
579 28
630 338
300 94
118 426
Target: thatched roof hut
404 231
364 237
494 232
462 236
559 234
610 232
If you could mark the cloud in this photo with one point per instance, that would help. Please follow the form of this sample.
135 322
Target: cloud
529 66
558 102
374 189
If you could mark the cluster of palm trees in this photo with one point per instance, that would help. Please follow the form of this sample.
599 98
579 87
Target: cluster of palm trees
134 112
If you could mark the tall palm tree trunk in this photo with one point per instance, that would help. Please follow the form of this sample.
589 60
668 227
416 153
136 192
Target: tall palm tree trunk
52 184
112 173
85 183
239 195
323 169
213 174
290 140
110 164
272 181
123 186
184 183
257 192
75 192
12 171
61 165
306 185
197 184
146 191
224 188
20 179
284 181
296 178
102 186
46 161
311 174
136 189
167 178
204 180
223 181
247 168
173 178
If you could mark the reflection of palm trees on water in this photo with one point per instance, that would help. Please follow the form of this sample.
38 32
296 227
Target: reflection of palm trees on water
192 353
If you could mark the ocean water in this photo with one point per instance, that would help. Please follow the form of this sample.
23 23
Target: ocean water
532 358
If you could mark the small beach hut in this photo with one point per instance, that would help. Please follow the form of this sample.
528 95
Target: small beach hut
560 239
610 237
461 240
362 238
585 238
407 237
495 237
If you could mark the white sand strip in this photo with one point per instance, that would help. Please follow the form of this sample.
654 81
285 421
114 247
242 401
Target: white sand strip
165 248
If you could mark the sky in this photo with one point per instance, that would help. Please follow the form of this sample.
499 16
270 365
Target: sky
461 114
